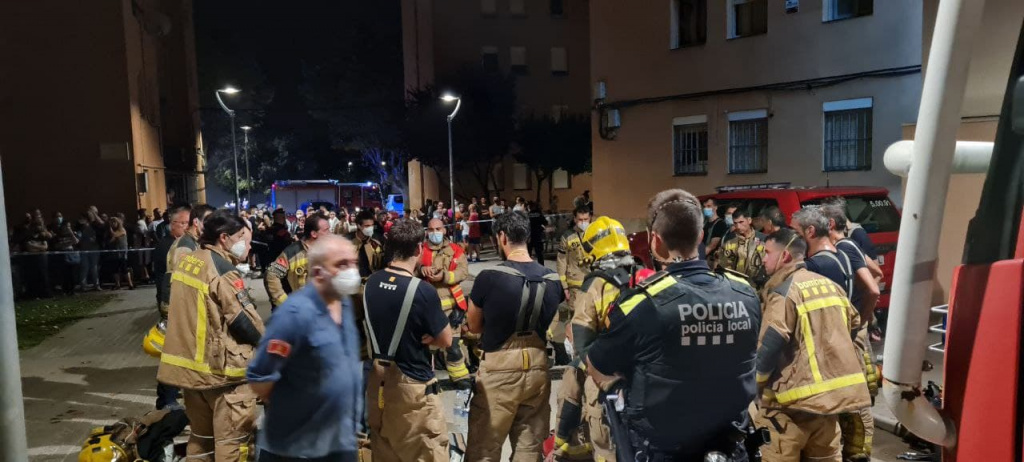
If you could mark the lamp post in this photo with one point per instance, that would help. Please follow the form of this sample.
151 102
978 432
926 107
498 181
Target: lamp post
448 97
234 145
248 178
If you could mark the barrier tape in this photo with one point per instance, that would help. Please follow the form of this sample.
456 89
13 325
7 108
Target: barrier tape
65 252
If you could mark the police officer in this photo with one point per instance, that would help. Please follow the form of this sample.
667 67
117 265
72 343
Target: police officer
806 368
743 252
684 341
289 271
572 270
211 332
444 265
607 250
404 319
510 307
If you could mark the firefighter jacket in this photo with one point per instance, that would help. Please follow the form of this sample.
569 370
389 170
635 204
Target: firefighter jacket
572 267
806 359
590 310
287 273
214 326
450 259
371 256
182 246
743 255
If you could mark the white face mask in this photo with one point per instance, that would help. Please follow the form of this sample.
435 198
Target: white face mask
346 282
368 231
583 225
435 238
238 249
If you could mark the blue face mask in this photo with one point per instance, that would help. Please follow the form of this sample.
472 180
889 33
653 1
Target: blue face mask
707 212
435 238
728 220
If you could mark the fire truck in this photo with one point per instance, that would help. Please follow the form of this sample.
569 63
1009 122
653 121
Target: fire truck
981 417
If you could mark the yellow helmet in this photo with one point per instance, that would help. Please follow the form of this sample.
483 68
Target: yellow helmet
604 236
153 342
101 449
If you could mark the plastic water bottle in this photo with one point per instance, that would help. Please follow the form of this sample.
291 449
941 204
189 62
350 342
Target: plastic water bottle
462 404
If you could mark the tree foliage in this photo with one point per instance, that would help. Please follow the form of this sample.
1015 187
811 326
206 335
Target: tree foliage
545 144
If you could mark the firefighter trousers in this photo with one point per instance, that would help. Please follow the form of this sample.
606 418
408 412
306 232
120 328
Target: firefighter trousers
556 332
511 400
454 359
858 429
415 428
222 422
592 438
798 436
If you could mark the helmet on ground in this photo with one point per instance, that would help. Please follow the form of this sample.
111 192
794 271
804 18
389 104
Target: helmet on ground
153 342
101 449
604 237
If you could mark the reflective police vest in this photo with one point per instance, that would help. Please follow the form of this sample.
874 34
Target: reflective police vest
699 377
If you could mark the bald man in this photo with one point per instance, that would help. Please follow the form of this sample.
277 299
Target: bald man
307 367
444 265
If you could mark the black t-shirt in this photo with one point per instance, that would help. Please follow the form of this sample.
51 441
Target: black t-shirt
856 256
833 266
498 295
537 224
384 294
714 229
864 242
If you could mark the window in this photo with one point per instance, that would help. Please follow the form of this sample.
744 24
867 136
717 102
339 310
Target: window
690 145
560 179
689 23
875 214
520 177
747 17
559 61
517 59
489 58
488 7
557 8
748 141
559 110
517 7
847 135
837 10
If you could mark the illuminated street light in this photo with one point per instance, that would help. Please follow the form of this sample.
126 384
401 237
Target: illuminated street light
448 97
229 90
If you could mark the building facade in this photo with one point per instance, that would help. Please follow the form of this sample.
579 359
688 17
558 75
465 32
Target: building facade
101 107
698 94
544 43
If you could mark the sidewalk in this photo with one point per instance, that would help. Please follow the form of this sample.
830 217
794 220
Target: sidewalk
94 372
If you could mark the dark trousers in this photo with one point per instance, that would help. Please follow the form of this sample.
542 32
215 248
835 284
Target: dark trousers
335 457
69 277
38 275
537 247
166 395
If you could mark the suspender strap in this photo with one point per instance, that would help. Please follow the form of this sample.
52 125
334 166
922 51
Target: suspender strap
528 316
846 269
403 318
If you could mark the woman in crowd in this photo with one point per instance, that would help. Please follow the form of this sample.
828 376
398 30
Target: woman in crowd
67 241
119 241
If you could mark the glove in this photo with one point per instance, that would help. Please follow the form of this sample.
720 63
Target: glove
457 318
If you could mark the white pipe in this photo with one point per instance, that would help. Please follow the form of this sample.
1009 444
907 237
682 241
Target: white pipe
969 157
942 96
13 442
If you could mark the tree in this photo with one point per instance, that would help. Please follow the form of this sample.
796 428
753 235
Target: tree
482 132
546 144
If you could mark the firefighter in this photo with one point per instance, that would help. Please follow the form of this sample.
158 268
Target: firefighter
444 265
185 242
744 252
806 369
571 271
211 332
511 306
684 341
370 252
404 319
608 256
289 271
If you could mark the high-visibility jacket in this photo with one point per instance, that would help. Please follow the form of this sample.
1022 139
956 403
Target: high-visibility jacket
182 246
371 256
451 260
572 267
214 326
287 273
806 359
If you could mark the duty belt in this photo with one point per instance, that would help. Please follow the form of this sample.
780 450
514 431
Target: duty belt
403 318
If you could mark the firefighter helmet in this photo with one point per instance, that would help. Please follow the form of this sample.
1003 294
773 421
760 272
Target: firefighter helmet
100 448
604 237
153 342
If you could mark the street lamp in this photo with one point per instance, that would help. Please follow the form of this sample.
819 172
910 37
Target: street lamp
234 146
448 97
248 178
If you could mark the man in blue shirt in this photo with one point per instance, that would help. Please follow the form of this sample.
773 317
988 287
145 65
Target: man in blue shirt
307 368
